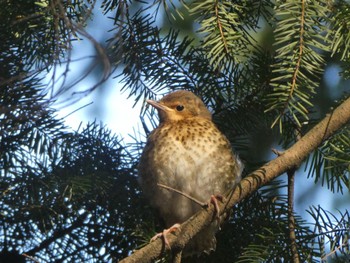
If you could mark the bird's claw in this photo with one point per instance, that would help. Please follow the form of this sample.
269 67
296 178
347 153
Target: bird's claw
214 200
171 229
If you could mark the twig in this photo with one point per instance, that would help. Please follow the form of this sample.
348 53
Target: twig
220 27
291 219
30 257
277 152
177 257
202 204
85 105
334 250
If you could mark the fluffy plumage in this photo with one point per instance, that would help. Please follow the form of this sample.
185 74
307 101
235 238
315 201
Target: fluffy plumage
188 153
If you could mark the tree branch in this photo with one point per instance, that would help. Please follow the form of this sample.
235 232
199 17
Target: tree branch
290 159
291 219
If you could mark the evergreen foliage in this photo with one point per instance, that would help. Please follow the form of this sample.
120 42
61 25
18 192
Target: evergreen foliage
72 196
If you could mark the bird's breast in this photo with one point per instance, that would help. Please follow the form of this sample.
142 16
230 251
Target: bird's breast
191 155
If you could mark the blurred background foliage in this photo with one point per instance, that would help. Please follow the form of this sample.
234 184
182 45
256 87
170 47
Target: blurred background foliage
268 71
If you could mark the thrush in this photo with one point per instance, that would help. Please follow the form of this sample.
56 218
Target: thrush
187 152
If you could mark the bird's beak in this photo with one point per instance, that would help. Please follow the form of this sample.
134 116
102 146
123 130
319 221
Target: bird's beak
158 105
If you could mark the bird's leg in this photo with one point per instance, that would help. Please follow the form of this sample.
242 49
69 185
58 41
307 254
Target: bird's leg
166 231
214 200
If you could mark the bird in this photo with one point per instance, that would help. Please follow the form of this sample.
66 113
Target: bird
188 153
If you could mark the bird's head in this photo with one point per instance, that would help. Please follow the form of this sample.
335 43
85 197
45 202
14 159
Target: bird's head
180 105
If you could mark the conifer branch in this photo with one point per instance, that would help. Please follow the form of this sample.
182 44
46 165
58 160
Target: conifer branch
300 55
218 21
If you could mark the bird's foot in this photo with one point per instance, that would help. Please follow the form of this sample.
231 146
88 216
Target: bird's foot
171 229
214 200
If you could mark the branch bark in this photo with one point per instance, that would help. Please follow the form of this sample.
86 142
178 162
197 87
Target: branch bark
290 159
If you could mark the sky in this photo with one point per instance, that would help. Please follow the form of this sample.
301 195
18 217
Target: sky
117 112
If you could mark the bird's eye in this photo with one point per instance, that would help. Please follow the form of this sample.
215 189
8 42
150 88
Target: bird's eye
179 107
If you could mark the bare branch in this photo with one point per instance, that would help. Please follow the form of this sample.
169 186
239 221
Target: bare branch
291 219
